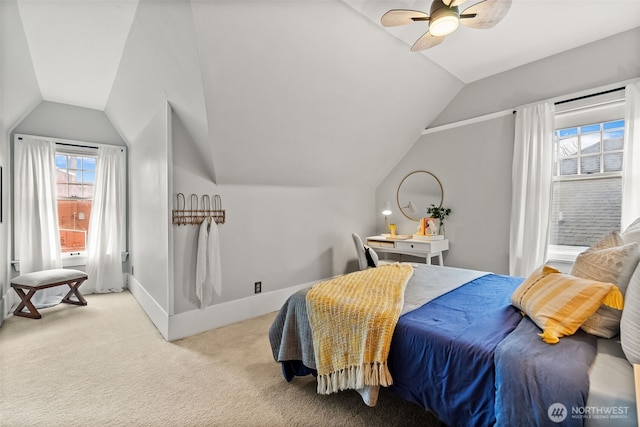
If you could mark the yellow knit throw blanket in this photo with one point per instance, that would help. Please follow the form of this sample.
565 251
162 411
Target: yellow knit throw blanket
352 319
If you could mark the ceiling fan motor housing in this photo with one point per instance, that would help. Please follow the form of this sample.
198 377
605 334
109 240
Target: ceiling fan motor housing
443 19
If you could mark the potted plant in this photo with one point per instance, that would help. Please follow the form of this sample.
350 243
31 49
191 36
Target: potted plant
439 213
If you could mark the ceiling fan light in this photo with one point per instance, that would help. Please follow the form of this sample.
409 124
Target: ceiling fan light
444 23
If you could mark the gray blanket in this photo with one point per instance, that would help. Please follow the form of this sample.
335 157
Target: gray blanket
539 384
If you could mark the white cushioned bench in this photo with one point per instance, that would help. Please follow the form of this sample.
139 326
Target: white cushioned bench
32 282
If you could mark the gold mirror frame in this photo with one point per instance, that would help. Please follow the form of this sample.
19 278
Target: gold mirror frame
423 214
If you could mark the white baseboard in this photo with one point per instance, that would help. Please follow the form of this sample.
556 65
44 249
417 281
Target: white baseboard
3 310
156 313
196 321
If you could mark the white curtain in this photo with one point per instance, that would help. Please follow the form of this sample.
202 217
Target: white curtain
105 242
36 214
631 165
532 177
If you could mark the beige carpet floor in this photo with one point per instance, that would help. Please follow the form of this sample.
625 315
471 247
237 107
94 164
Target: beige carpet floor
106 365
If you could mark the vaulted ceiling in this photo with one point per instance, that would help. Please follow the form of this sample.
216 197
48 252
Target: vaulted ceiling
304 92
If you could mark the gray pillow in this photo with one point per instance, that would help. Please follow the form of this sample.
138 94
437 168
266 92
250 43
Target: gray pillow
630 321
609 261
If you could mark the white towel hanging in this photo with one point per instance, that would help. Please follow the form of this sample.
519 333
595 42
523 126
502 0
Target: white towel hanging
208 274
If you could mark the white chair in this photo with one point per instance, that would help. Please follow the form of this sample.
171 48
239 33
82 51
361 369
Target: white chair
362 250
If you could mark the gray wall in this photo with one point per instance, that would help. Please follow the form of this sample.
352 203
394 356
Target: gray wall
473 164
149 187
473 161
20 95
55 120
596 64
281 236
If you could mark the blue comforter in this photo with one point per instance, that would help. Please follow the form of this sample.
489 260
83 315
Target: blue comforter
442 353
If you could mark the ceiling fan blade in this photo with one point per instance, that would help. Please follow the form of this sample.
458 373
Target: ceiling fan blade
426 41
396 17
487 13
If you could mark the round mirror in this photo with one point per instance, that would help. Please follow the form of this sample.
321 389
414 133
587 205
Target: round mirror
416 192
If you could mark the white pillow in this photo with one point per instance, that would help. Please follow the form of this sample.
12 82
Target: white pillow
632 233
630 321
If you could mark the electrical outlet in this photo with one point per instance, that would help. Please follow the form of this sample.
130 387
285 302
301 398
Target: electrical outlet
258 287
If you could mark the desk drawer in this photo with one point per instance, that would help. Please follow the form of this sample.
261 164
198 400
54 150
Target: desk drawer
414 246
380 244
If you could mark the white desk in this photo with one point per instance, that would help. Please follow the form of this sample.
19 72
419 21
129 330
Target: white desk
420 248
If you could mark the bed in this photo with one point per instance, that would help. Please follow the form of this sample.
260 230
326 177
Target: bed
463 351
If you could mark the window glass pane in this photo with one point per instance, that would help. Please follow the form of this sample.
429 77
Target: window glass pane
567 132
583 211
590 164
61 161
613 162
613 125
61 190
89 163
590 144
61 176
75 190
88 177
569 167
74 162
590 128
613 140
87 191
568 147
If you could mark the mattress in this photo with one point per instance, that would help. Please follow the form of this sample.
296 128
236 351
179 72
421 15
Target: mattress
612 397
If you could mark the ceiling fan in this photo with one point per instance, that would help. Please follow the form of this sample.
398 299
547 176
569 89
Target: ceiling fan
444 18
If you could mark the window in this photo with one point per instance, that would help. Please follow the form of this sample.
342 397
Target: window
587 185
76 173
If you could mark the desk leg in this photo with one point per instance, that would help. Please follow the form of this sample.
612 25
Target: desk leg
428 259
440 260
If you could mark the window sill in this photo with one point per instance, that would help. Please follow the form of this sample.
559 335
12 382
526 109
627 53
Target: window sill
564 254
70 261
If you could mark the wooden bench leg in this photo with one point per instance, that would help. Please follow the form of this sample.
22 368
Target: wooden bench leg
75 291
26 302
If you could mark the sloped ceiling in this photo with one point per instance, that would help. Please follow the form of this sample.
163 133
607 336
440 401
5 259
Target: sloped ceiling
531 30
307 92
76 47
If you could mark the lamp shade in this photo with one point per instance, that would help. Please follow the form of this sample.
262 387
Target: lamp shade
387 208
412 208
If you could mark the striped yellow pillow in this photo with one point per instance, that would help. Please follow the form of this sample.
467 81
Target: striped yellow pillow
559 303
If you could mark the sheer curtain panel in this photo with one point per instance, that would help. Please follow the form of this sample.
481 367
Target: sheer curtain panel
631 161
36 215
532 176
107 224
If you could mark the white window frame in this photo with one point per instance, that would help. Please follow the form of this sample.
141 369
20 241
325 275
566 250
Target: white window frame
76 258
600 109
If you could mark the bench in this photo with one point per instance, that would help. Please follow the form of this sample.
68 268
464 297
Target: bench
33 282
